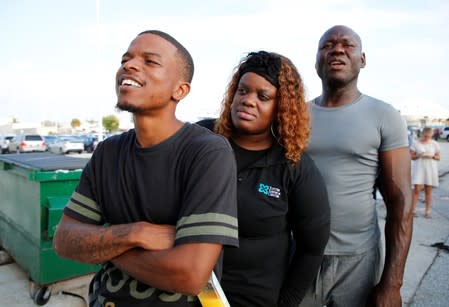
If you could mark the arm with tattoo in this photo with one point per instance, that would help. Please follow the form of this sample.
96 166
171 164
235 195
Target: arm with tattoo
96 244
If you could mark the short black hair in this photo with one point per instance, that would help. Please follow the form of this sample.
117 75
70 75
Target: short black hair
263 63
187 60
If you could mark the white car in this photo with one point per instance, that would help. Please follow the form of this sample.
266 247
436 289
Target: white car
66 144
27 143
444 133
4 142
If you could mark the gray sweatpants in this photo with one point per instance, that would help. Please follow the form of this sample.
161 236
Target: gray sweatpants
345 281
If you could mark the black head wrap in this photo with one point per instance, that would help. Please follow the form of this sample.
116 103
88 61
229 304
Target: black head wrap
265 64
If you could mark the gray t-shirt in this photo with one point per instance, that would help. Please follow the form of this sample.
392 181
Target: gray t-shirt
345 144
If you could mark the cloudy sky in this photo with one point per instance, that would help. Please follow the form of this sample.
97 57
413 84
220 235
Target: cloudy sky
59 58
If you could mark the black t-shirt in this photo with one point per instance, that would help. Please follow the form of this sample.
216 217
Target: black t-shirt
278 203
276 200
263 232
175 182
245 157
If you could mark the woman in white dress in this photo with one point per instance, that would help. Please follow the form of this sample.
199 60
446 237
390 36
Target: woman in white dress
425 154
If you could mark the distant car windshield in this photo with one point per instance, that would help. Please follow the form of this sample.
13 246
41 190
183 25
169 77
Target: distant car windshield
71 139
50 137
33 138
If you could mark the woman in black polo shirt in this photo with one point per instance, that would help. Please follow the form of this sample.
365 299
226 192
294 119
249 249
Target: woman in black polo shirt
283 210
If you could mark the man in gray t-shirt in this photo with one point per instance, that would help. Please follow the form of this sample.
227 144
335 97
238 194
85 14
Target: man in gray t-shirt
356 139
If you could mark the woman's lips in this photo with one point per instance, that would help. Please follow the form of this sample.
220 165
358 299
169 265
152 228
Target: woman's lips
245 115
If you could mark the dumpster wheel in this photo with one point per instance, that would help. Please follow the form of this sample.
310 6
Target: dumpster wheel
42 296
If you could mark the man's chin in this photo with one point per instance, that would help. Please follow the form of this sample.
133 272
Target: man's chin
124 106
335 81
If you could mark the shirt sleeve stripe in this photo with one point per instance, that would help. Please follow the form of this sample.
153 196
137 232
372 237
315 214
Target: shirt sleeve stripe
212 230
87 212
72 200
207 218
85 201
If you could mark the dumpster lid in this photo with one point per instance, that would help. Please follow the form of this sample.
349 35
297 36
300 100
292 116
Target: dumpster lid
45 161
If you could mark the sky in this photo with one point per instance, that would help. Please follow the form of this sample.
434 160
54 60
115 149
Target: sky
59 58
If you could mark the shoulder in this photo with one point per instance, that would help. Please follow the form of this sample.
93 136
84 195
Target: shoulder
113 144
312 106
117 140
305 167
202 141
311 103
378 105
388 119
305 161
208 123
203 135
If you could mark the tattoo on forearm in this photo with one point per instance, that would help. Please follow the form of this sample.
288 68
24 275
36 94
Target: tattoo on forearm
94 246
121 231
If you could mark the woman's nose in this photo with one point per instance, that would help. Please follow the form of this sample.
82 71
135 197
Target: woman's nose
249 101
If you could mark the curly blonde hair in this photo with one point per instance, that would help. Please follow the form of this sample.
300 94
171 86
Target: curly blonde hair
292 121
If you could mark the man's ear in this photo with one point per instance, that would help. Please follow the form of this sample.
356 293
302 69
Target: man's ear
181 91
363 63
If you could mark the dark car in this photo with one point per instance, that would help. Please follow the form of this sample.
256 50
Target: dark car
88 141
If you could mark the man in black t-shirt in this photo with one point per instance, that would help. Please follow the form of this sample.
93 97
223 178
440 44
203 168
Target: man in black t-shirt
150 205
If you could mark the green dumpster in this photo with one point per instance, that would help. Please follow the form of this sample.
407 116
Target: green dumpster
34 188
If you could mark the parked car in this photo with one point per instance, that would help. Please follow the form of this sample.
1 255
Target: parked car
444 133
27 143
88 141
50 139
66 144
4 142
436 133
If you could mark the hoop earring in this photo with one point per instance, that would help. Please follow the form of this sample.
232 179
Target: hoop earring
272 132
277 138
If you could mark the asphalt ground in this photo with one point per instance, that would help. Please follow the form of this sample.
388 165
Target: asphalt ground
426 277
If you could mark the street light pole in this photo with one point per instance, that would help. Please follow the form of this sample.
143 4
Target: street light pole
97 68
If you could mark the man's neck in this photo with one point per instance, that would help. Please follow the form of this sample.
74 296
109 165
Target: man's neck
151 131
332 97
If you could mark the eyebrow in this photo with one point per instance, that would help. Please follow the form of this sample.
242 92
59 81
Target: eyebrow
147 53
342 38
264 90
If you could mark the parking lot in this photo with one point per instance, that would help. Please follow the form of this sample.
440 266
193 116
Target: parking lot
426 279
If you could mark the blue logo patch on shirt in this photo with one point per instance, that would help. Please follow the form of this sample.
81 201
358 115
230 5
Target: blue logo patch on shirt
269 190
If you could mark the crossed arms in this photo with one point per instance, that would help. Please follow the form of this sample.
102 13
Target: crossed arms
143 250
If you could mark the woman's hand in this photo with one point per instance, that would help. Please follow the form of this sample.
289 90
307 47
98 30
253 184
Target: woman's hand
416 154
426 155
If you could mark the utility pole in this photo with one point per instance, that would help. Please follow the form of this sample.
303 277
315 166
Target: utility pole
97 68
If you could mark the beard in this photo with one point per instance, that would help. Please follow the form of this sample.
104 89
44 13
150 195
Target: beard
125 106
336 83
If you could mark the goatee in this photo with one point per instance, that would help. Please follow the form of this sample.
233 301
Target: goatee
127 107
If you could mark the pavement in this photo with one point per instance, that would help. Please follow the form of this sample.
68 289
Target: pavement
426 277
